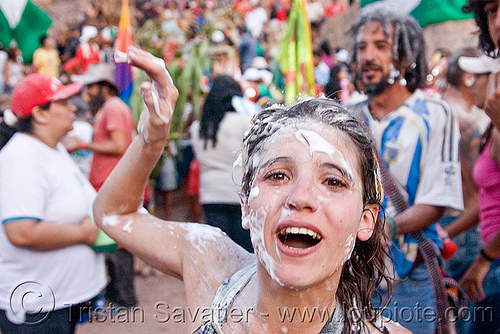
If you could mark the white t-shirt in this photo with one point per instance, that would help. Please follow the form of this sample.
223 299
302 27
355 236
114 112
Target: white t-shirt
219 182
44 184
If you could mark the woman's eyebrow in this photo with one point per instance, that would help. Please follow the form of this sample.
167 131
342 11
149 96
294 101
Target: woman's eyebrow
275 160
343 171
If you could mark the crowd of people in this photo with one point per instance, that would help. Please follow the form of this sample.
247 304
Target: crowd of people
330 202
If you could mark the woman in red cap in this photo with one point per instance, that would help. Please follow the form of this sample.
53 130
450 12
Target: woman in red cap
48 270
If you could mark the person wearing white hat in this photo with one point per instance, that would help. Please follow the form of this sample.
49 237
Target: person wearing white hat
482 279
87 52
484 69
460 92
487 18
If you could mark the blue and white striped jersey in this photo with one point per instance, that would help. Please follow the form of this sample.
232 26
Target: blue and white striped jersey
419 144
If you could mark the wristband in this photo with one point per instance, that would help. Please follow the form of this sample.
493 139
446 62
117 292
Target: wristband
393 227
486 256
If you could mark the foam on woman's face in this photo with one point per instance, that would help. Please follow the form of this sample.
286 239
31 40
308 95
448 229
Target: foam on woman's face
255 219
317 144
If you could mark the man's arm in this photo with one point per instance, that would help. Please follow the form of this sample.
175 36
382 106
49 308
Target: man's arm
116 145
417 217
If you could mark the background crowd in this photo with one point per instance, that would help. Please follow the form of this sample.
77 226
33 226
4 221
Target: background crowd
223 56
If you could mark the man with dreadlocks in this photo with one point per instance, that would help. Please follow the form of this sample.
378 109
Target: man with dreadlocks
417 138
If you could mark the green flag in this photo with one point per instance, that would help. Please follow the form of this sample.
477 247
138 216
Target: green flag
24 22
295 54
427 12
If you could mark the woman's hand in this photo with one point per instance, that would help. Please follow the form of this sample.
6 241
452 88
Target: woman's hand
473 279
159 95
73 143
90 230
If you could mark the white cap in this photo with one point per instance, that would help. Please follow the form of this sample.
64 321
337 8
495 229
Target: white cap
266 76
88 32
260 63
479 65
342 56
218 36
252 74
96 73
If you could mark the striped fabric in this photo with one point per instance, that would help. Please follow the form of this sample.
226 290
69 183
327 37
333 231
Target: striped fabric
419 143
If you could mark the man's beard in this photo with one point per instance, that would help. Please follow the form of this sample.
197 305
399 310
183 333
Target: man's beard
375 88
96 102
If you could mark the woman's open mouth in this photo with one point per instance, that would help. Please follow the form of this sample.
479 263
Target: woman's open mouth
298 237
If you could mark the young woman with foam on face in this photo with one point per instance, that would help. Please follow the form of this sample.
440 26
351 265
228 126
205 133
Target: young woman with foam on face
310 197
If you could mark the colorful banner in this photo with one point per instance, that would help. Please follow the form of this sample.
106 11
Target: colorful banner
426 12
295 55
24 22
123 73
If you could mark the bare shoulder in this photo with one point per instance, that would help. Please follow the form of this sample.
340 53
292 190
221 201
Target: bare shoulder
211 257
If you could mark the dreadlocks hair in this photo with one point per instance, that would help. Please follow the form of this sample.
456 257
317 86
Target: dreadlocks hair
477 8
217 103
408 51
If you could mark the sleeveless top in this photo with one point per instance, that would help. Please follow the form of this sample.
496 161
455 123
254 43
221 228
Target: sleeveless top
487 176
229 289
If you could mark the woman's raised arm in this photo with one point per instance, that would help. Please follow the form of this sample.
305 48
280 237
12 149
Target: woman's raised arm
117 203
123 189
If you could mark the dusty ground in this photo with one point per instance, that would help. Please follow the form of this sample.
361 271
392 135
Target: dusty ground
160 298
162 302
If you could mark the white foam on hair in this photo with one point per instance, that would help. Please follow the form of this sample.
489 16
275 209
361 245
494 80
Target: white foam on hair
317 143
238 162
200 235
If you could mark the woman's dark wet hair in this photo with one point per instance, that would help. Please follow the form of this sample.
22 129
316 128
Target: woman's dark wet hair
365 270
217 103
409 45
477 8
22 125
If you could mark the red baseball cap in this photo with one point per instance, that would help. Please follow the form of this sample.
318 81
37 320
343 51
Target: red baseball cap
37 90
